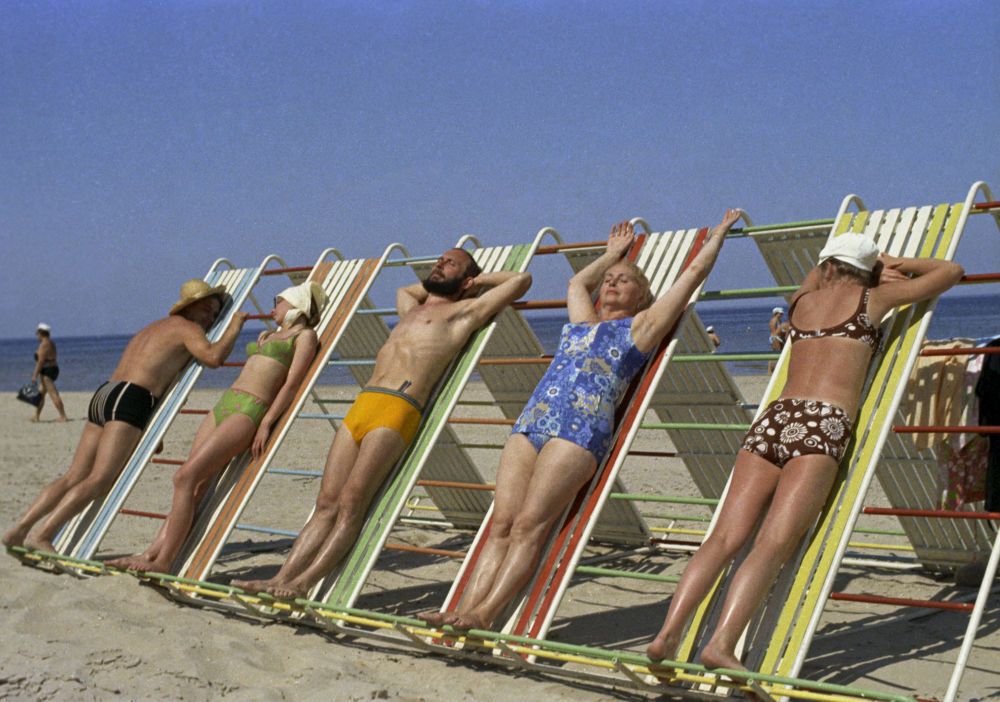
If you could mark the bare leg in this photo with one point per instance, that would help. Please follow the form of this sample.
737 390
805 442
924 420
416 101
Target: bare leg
776 347
339 462
213 448
52 493
517 463
41 404
101 464
753 482
50 387
802 490
352 476
554 477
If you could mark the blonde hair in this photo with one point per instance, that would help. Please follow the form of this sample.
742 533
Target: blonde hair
641 280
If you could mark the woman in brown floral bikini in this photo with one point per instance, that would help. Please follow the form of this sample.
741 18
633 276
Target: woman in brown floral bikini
790 456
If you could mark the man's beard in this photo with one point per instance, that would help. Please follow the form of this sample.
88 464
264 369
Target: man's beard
445 288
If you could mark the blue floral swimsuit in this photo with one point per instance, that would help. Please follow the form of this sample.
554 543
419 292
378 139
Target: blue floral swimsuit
577 396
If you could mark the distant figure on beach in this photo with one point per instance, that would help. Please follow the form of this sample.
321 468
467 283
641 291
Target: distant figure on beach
46 371
567 426
716 341
121 407
436 318
778 333
243 417
789 458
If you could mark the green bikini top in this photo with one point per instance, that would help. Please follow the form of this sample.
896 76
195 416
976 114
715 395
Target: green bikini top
281 350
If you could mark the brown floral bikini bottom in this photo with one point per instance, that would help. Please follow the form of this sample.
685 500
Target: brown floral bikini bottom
788 428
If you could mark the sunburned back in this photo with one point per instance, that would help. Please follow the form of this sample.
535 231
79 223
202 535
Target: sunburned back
419 349
155 355
821 366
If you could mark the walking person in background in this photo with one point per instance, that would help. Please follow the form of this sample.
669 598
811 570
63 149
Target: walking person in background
46 371
716 341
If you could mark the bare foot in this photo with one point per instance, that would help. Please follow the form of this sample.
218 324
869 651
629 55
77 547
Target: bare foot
40 544
713 657
63 418
125 562
15 537
252 586
143 565
438 619
662 648
287 592
468 621
33 419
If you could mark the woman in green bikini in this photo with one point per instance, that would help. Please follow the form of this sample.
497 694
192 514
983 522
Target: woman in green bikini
243 418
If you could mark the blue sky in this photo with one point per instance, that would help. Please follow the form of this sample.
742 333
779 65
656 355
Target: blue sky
140 141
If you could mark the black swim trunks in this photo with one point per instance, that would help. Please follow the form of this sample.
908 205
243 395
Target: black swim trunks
121 402
51 372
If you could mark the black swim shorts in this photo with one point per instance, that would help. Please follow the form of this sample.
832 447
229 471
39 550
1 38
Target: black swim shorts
121 402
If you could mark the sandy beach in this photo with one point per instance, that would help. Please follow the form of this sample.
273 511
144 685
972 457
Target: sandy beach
112 637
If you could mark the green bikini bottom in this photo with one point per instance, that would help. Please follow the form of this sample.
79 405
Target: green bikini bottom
239 402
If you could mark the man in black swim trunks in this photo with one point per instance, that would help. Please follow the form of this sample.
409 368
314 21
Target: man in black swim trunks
121 407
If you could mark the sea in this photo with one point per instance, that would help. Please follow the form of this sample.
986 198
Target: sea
87 361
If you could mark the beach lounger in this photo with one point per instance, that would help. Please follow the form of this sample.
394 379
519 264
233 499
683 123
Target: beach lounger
701 393
342 586
448 461
511 384
779 636
662 257
909 478
82 535
346 283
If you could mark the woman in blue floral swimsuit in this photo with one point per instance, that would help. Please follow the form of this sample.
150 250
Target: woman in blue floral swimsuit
567 426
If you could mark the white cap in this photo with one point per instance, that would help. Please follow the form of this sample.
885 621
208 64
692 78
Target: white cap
852 248
42 326
709 328
778 310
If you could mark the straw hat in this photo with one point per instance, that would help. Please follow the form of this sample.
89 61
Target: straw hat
852 248
194 290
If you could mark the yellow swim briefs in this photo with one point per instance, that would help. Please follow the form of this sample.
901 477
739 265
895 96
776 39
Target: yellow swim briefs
380 407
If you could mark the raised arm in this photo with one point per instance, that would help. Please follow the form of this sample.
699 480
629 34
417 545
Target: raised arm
212 355
305 350
408 297
579 300
906 280
502 288
651 325
809 283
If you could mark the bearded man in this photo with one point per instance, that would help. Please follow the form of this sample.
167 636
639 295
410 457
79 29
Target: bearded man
436 318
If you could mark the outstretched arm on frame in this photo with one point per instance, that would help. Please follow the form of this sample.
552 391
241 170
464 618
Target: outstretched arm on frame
579 303
651 325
